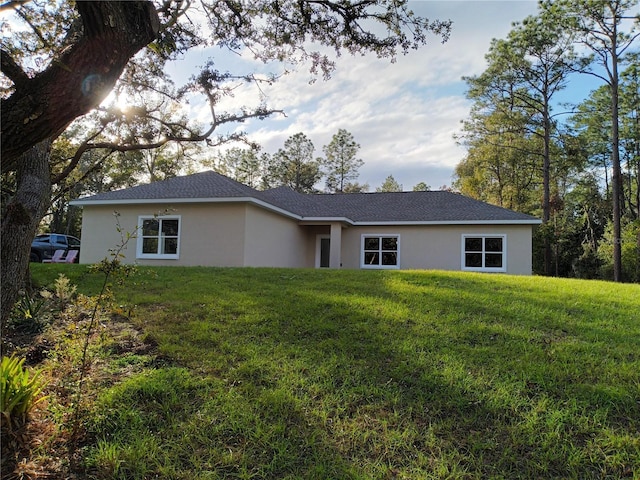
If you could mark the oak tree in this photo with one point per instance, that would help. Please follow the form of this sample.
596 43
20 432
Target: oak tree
62 59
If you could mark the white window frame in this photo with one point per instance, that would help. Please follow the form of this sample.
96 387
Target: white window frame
483 268
140 237
380 236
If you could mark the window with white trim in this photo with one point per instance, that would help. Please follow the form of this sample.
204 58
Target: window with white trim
158 237
484 253
380 251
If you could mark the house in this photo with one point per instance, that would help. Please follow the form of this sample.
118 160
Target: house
210 219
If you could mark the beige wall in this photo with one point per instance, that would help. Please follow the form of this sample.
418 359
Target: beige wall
439 247
99 233
274 241
246 235
211 234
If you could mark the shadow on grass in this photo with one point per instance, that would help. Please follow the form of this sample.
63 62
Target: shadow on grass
412 375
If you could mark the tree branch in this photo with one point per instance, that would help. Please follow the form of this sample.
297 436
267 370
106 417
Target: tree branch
79 79
11 69
12 4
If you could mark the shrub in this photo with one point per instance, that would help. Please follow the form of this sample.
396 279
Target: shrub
29 313
20 391
64 289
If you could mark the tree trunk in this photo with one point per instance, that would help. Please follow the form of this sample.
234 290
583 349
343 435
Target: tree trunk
546 185
40 108
20 223
616 175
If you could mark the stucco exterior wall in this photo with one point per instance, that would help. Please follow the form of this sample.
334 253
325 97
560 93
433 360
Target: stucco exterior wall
240 234
273 240
99 233
440 246
211 234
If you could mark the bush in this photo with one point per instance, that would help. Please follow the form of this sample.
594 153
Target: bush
19 391
29 313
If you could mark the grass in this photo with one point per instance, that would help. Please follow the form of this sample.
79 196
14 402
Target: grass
275 373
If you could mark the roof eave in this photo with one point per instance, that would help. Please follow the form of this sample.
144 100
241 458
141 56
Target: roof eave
325 220
453 222
157 201
142 201
287 213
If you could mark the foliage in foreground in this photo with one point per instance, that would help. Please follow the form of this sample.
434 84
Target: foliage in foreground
269 373
20 391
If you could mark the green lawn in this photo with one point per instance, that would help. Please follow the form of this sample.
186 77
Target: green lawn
275 373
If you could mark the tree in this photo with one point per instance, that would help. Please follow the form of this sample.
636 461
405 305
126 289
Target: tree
592 124
630 134
630 252
245 165
356 188
599 24
592 121
525 72
389 185
421 187
295 166
72 55
500 166
340 161
40 107
586 214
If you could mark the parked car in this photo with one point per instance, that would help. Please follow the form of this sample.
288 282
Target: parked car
43 246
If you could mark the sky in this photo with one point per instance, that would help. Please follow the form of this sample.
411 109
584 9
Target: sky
404 115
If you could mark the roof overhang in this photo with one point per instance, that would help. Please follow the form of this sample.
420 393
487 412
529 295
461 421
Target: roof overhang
174 201
325 220
454 222
302 220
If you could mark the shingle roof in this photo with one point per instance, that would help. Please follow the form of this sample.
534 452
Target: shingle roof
440 206
391 207
199 185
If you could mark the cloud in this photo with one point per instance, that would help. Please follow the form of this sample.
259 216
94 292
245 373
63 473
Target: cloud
403 114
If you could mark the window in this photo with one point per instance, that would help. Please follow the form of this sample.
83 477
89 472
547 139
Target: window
380 251
59 239
158 237
73 242
484 253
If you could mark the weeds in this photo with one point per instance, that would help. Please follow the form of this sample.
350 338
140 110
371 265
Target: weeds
74 323
109 268
64 290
